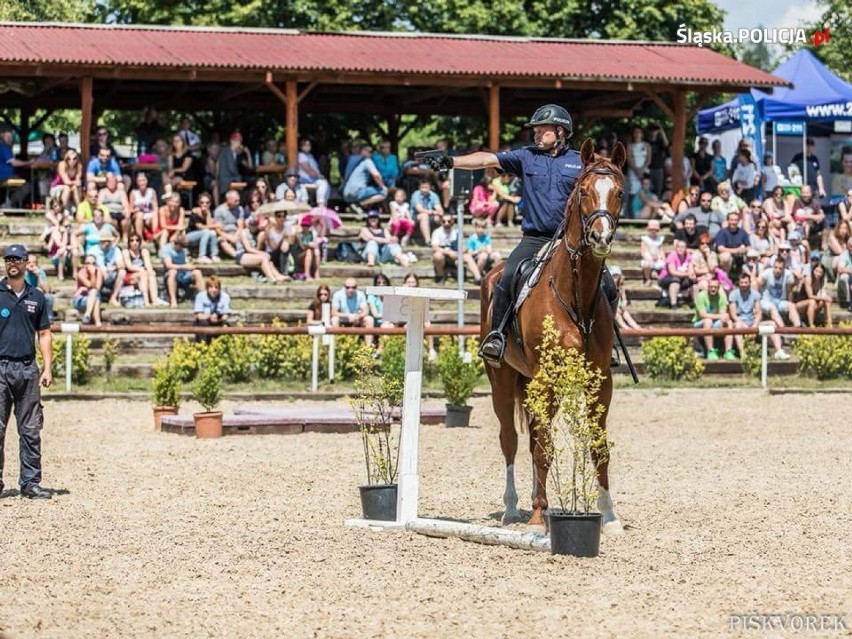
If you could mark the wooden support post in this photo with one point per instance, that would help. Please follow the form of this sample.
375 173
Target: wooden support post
86 119
24 131
393 131
292 124
678 138
494 117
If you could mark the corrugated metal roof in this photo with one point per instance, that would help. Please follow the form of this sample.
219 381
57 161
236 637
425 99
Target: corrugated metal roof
434 55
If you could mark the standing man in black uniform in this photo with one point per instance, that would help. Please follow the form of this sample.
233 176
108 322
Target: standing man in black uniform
23 312
548 170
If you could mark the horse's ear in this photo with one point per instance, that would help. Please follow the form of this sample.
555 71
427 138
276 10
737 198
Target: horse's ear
619 155
587 152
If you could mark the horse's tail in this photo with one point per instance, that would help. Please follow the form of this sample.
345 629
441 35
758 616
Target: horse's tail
522 416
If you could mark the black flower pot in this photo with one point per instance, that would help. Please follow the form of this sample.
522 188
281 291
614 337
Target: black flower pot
378 502
458 416
577 534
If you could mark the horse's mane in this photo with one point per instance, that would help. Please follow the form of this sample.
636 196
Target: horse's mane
599 162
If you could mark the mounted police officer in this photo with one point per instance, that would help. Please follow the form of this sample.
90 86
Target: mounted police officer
548 170
23 313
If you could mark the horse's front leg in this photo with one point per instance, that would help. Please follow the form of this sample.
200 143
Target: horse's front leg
541 465
611 522
503 382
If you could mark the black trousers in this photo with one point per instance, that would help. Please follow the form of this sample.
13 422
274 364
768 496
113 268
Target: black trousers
19 387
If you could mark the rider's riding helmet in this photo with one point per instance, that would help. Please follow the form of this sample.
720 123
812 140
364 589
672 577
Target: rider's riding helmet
552 114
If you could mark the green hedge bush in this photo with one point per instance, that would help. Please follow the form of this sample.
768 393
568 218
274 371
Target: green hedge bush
824 356
671 358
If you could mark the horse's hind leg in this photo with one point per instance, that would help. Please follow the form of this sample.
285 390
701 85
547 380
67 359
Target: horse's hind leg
503 400
611 522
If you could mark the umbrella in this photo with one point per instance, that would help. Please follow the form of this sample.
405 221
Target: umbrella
330 216
271 208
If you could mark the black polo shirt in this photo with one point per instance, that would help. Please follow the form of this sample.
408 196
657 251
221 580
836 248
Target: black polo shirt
20 318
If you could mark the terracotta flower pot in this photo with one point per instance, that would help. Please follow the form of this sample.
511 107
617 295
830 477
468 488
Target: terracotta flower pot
159 411
208 425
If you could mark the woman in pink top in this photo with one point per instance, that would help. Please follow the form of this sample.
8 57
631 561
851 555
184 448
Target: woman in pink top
483 201
677 273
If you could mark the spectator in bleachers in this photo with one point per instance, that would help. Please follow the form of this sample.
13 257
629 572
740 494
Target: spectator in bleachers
711 311
410 280
720 167
763 242
375 304
501 186
52 217
211 163
180 163
323 296
835 245
140 271
732 242
646 204
812 298
114 199
808 215
844 271
310 175
66 185
638 162
94 232
201 231
255 201
726 202
212 304
706 215
180 271
705 265
702 167
401 225
686 168
111 260
746 176
230 216
227 165
426 206
149 129
690 200
35 276
8 163
744 145
277 239
779 213
412 172
622 316
442 182
753 265
689 232
444 248
776 285
677 274
770 174
88 207
745 312
306 251
144 208
798 255
62 247
814 177
349 308
87 299
159 179
100 165
659 144
754 215
290 189
483 200
263 189
480 256
251 258
191 139
387 163
363 187
172 219
844 207
270 151
379 246
653 255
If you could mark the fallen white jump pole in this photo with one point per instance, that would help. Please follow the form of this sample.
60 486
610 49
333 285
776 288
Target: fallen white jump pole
488 535
411 305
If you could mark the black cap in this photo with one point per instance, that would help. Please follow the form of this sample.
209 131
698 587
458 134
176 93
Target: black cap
16 250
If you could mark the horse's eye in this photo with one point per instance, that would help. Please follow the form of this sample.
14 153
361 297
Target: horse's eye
620 195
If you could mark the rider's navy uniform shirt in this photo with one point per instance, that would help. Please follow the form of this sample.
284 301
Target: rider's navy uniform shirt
20 318
547 182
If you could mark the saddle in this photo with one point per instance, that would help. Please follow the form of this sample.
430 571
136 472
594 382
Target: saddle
529 273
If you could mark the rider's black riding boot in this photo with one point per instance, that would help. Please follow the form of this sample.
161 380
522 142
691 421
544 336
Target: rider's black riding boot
610 291
494 344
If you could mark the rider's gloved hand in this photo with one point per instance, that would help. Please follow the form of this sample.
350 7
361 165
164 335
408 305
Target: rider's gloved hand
442 163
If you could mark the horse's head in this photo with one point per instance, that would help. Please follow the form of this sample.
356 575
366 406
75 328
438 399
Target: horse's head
599 194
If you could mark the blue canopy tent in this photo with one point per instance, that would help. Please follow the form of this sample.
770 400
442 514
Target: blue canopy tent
816 94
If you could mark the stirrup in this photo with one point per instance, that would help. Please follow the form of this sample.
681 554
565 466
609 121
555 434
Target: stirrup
492 348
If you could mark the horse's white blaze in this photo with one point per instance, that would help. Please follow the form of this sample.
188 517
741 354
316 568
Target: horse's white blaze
603 187
510 497
611 523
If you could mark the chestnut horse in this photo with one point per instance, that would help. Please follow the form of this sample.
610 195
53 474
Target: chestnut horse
568 289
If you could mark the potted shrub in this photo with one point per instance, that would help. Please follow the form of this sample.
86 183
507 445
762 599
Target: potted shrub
459 375
574 442
165 391
207 391
377 404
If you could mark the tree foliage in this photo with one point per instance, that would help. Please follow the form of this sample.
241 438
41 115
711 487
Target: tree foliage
46 11
837 17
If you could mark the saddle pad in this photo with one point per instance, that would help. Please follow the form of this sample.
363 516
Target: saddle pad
539 262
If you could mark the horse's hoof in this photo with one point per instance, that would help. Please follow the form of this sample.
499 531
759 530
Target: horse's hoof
511 517
613 528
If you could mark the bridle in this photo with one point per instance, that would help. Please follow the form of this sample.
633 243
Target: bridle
585 322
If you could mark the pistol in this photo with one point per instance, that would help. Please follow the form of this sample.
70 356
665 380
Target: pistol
437 160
